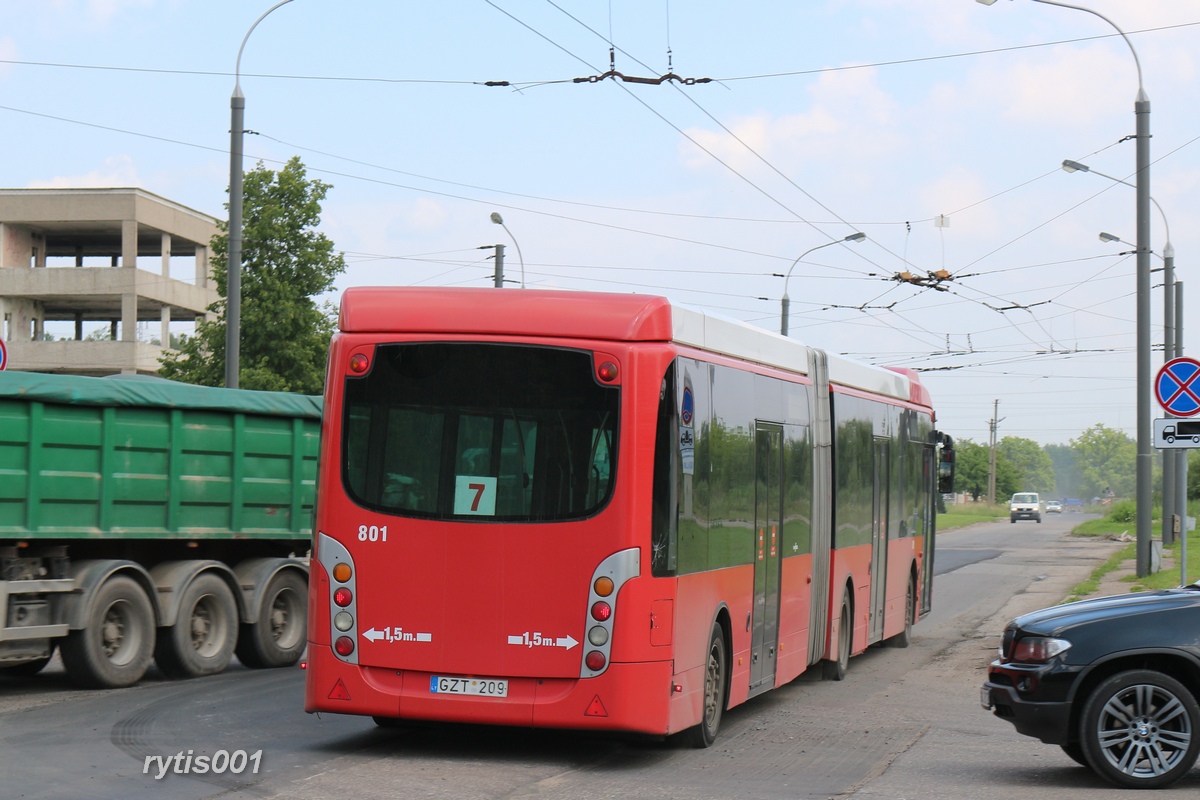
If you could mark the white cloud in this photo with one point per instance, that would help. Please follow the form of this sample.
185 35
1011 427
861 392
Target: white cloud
117 171
848 112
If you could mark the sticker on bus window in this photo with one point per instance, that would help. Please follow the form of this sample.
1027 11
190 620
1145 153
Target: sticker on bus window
475 494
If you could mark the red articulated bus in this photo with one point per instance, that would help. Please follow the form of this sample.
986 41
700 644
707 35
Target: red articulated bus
604 511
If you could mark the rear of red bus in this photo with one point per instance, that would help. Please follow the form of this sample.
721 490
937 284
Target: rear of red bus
482 512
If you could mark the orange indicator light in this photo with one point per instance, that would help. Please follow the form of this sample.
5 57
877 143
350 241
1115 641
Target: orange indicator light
341 572
604 586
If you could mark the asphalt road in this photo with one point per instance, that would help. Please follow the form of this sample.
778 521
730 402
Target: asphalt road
904 724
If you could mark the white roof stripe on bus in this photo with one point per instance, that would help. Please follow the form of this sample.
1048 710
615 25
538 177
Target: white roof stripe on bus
869 378
730 337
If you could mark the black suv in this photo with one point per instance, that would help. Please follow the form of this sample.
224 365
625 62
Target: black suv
1113 681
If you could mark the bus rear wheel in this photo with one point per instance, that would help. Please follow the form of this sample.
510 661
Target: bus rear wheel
904 637
835 670
715 668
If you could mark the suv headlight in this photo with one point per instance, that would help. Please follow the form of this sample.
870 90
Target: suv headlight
1038 649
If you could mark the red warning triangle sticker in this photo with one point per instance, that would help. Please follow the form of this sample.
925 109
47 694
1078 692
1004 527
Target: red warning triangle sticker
339 691
596 708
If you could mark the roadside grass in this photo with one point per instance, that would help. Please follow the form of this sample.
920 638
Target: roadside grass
963 514
1092 583
1163 579
1169 578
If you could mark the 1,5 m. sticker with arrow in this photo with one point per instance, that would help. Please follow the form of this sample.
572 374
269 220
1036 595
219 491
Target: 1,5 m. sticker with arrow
396 634
535 639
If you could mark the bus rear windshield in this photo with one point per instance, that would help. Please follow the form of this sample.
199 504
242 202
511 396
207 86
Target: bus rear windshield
480 431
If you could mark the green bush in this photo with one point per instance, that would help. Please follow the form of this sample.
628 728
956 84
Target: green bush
1124 511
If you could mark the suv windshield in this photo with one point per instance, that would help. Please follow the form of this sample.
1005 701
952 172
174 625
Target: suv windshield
476 431
1024 498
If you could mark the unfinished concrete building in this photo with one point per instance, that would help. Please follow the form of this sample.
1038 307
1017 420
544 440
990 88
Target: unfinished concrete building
92 264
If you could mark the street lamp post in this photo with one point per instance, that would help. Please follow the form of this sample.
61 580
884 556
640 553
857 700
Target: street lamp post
1172 505
785 303
496 218
1145 454
233 285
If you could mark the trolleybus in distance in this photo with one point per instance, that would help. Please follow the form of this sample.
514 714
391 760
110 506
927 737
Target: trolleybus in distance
602 511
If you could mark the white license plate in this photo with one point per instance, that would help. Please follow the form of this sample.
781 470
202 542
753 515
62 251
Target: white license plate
482 687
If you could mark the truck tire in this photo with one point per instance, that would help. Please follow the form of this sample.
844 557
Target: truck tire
202 638
279 636
114 647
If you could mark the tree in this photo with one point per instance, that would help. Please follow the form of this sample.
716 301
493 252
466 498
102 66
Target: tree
1107 461
970 468
284 334
1068 475
1033 467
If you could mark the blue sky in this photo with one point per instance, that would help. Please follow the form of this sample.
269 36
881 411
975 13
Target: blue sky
821 119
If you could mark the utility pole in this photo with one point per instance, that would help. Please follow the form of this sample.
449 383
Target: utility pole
993 423
498 280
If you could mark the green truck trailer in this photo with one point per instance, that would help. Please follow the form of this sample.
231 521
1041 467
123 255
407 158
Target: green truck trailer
145 519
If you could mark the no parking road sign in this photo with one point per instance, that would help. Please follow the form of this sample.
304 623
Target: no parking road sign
1177 387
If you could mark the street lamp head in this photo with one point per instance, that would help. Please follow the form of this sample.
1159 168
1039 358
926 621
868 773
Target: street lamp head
1074 166
855 237
1108 237
496 218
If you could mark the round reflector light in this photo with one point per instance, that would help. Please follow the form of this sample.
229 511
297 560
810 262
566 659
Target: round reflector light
601 611
341 572
598 636
607 372
359 363
595 660
603 586
344 646
343 621
343 597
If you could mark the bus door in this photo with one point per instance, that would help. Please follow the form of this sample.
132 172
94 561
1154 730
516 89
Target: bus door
879 541
928 487
768 516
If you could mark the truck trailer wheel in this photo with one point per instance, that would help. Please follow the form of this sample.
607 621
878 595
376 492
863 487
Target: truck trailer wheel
202 638
115 645
278 638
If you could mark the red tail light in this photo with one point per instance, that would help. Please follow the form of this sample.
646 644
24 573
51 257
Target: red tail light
344 646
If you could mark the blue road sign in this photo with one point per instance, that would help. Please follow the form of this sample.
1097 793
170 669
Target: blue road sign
1177 387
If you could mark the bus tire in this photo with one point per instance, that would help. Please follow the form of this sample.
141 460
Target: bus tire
835 670
115 646
278 638
904 637
715 669
202 638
